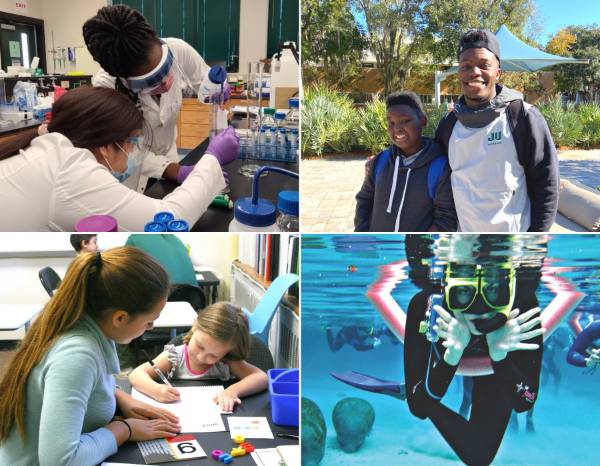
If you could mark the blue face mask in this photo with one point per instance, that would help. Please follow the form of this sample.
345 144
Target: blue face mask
131 166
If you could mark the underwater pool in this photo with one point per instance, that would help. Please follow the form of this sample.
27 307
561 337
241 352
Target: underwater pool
337 272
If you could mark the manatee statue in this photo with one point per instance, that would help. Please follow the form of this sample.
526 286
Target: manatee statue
313 433
353 419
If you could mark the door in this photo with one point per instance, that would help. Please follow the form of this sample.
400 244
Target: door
17 44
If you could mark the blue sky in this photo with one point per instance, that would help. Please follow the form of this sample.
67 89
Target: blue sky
557 14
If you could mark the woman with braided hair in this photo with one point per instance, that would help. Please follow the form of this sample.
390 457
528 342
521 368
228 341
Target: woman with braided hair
153 72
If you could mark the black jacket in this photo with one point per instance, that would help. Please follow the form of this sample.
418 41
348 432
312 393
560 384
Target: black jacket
409 187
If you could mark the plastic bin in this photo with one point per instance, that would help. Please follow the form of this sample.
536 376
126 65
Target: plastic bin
284 385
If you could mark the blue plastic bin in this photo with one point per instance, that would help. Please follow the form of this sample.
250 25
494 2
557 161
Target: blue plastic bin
284 386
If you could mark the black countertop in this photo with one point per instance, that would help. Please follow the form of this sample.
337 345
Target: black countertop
254 405
218 219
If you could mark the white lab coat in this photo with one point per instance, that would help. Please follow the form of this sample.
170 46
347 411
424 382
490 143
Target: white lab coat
51 185
161 118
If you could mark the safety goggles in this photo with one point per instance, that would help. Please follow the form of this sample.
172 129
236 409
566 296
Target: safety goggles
496 286
136 141
154 78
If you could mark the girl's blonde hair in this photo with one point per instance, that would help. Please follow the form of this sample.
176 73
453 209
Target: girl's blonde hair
227 323
123 278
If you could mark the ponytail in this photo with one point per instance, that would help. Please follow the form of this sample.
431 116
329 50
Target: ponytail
121 278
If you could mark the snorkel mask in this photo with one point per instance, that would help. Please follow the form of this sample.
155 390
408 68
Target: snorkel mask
473 289
157 81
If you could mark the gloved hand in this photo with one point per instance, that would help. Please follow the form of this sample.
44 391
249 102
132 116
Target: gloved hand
510 336
455 333
594 358
225 146
216 97
184 171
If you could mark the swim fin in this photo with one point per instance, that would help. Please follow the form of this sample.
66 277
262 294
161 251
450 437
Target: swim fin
372 384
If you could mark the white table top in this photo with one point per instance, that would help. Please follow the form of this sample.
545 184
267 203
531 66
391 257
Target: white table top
176 314
14 316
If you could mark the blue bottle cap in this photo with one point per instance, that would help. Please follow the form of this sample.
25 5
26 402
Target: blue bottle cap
163 217
155 227
217 74
260 215
294 130
287 202
294 102
178 225
280 116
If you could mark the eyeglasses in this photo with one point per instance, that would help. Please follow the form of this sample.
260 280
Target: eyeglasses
496 286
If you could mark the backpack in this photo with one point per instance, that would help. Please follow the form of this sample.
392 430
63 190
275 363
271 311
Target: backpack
517 122
436 168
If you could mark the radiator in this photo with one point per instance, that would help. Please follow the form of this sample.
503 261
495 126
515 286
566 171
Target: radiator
284 333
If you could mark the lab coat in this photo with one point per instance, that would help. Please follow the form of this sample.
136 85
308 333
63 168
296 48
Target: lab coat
160 131
51 185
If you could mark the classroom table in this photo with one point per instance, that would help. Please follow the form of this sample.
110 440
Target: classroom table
217 218
15 316
176 314
255 405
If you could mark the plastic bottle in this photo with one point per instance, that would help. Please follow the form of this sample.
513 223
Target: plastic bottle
287 204
285 72
282 148
253 214
292 119
293 140
273 148
211 92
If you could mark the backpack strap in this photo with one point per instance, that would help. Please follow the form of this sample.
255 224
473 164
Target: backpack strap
519 127
436 168
380 163
444 130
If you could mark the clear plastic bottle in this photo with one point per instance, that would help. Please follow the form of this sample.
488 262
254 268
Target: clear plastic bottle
293 143
211 92
287 205
273 143
292 119
282 148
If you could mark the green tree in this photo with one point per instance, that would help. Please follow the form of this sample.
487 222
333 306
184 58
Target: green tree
581 77
332 43
401 33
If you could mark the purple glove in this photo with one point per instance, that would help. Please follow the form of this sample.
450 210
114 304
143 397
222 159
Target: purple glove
225 146
215 98
184 171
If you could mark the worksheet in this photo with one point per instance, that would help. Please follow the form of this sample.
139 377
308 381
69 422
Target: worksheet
196 410
266 457
249 427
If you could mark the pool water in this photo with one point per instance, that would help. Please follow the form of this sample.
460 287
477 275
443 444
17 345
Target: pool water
338 270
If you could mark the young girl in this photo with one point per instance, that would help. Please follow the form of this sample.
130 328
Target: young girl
214 348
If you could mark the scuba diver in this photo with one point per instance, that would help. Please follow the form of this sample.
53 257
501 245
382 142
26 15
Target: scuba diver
476 315
360 337
585 350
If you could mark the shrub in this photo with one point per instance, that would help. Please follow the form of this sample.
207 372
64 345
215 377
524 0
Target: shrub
589 115
434 115
371 130
328 120
563 121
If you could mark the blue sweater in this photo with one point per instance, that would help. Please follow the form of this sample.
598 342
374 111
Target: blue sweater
70 398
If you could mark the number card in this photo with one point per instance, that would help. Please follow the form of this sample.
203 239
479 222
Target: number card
182 447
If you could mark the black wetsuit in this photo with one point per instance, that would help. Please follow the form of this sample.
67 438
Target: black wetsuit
513 386
578 352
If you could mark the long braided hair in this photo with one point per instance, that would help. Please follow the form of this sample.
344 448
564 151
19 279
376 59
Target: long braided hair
120 39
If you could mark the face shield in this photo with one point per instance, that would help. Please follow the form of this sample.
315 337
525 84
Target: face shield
157 81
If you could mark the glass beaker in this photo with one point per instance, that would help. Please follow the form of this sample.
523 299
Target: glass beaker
253 146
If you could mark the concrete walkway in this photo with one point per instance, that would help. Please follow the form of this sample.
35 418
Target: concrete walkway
329 184
328 187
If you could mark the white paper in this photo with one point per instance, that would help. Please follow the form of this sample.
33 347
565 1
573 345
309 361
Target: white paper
249 427
196 410
290 454
266 457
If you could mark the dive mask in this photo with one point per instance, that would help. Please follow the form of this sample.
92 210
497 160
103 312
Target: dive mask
477 290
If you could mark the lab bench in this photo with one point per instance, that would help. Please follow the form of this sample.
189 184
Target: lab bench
7 83
216 218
